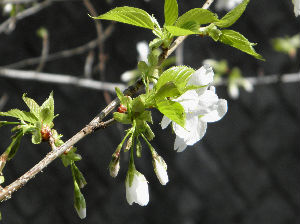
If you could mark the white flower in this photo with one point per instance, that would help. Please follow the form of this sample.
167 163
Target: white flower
137 190
227 4
201 106
129 75
296 7
233 86
7 8
143 51
160 168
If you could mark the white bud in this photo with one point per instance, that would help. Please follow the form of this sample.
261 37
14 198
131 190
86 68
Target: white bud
136 188
160 168
7 8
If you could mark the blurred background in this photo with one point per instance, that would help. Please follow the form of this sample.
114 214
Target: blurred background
245 170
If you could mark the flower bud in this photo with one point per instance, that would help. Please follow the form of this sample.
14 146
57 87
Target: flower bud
114 165
160 168
136 188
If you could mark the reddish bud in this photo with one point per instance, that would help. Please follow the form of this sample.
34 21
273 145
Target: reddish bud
46 133
122 109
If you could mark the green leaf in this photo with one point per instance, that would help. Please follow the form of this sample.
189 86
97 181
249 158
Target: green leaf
232 16
129 15
179 75
48 104
155 43
32 105
14 145
173 110
178 31
3 123
238 41
120 95
146 116
70 157
36 134
167 90
46 116
197 15
122 118
21 115
138 104
214 33
171 12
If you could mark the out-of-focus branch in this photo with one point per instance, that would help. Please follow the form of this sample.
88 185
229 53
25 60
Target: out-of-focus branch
45 50
101 55
59 79
65 53
27 12
3 100
267 79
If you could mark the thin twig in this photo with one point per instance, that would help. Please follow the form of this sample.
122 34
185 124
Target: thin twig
45 51
59 79
27 12
101 55
65 53
95 124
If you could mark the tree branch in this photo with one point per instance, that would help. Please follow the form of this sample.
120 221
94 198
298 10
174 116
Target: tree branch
95 124
59 79
27 12
65 53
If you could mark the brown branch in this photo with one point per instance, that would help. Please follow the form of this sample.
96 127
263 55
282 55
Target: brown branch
95 124
101 55
65 53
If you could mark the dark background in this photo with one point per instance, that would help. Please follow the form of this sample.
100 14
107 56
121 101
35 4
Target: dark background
245 170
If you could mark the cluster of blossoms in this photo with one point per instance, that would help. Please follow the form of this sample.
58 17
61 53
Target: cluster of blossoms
201 106
296 7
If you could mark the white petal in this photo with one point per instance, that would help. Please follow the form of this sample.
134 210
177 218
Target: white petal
165 122
217 114
194 130
138 191
248 86
296 7
81 213
233 91
189 101
179 144
202 77
143 50
128 75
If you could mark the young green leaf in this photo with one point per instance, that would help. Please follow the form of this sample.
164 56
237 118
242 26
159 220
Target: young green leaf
232 16
146 116
171 12
70 157
46 116
122 118
148 132
179 75
21 115
167 90
238 41
129 15
197 15
173 110
138 148
36 134
14 145
49 104
3 123
178 31
32 105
